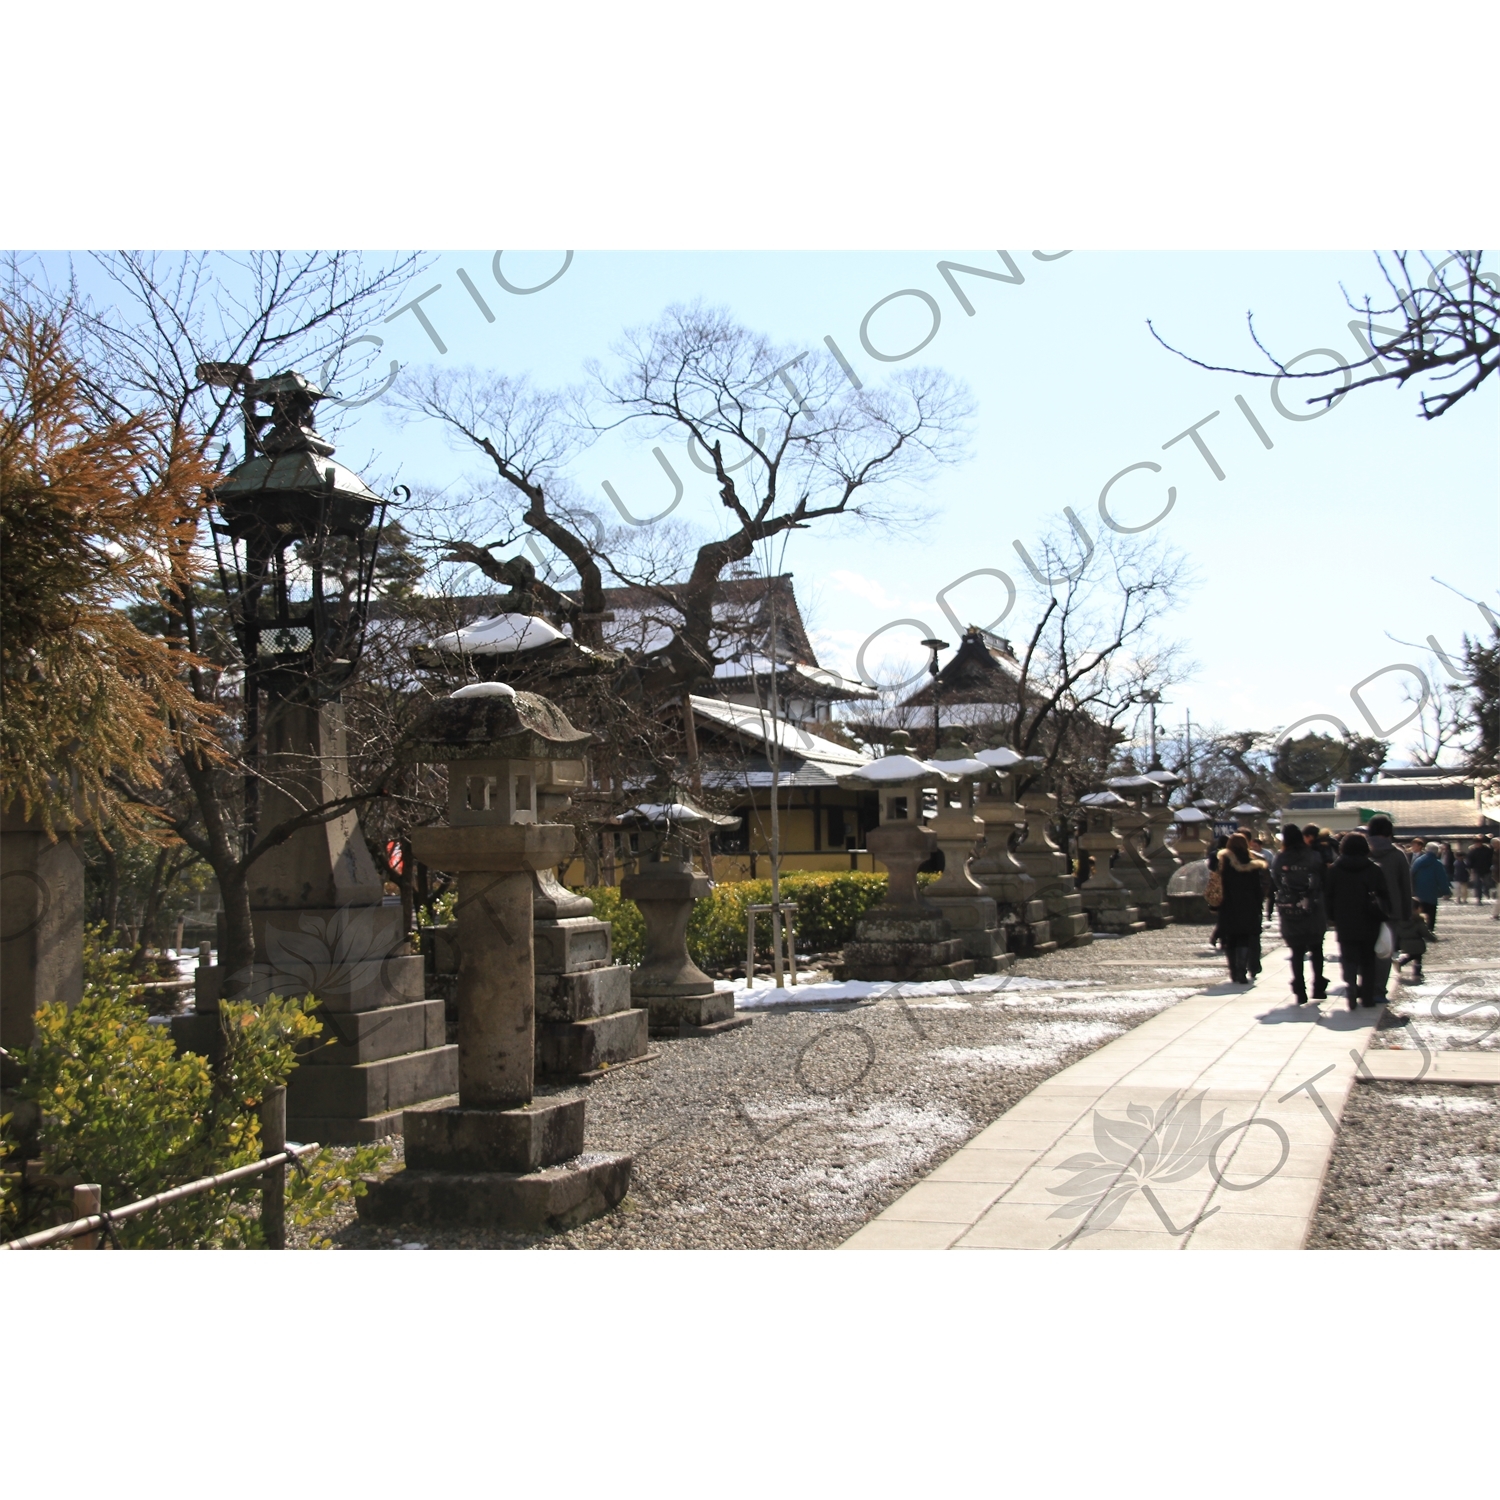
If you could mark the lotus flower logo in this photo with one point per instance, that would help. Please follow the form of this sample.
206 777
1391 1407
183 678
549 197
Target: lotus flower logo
1150 1147
325 952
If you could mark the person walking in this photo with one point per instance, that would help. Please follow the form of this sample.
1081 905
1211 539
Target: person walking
1359 900
1448 858
1298 874
1481 860
1430 883
1247 882
1461 880
1380 836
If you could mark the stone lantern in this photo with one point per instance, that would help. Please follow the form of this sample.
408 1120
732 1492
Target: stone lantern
1160 855
1185 890
297 544
1048 866
1005 877
1133 869
905 937
1248 815
969 908
500 1157
680 997
1105 898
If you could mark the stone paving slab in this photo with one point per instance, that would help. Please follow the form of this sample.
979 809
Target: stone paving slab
1209 1126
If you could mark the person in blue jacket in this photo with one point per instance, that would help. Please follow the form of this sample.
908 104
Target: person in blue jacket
1429 882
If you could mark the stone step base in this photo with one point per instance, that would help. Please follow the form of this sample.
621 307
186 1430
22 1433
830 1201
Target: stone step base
1192 911
374 1088
583 995
997 964
907 974
550 1201
713 1028
1038 948
569 1048
336 1131
669 1012
864 954
370 1035
1078 940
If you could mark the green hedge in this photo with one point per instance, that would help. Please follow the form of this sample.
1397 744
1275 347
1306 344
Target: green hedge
828 908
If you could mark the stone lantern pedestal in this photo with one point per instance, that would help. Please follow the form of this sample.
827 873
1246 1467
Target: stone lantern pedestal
1133 869
1160 856
905 937
322 928
500 1157
1048 867
680 997
1105 898
1004 876
970 909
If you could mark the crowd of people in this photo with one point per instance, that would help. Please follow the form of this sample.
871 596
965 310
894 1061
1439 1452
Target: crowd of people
1380 898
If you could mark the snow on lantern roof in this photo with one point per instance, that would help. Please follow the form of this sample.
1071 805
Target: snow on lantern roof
500 635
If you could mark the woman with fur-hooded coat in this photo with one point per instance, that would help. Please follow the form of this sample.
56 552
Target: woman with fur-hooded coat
1247 883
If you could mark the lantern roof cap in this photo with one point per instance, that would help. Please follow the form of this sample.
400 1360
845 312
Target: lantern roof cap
507 725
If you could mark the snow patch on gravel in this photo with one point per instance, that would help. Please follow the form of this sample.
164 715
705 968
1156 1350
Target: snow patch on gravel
1036 1045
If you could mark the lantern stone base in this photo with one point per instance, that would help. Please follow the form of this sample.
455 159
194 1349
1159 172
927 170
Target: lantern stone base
548 1201
584 1018
680 997
1109 910
384 1046
671 1011
520 1169
585 1021
976 924
913 944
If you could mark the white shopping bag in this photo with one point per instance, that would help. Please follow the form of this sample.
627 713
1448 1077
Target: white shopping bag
1385 944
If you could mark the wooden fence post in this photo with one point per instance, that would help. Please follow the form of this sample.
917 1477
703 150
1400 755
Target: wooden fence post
273 1183
87 1199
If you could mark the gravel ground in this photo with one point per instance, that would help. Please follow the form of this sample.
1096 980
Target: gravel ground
1417 1165
793 1131
1415 1168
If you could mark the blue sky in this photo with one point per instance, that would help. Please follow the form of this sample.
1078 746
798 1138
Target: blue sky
1310 555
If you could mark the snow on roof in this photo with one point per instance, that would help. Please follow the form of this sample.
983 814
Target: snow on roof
500 635
1102 799
676 812
1002 757
899 769
758 724
1191 815
966 765
762 666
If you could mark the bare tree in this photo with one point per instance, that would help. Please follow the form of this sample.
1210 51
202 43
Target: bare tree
1444 324
818 449
1095 652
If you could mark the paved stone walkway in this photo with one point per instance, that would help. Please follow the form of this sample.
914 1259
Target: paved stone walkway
1208 1126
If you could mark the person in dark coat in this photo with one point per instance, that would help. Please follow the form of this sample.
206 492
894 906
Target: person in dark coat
1298 874
1359 901
1411 935
1246 884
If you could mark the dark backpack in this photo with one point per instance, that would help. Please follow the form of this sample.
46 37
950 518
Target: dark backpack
1299 888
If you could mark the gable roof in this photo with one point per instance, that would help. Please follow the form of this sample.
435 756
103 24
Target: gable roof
984 669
